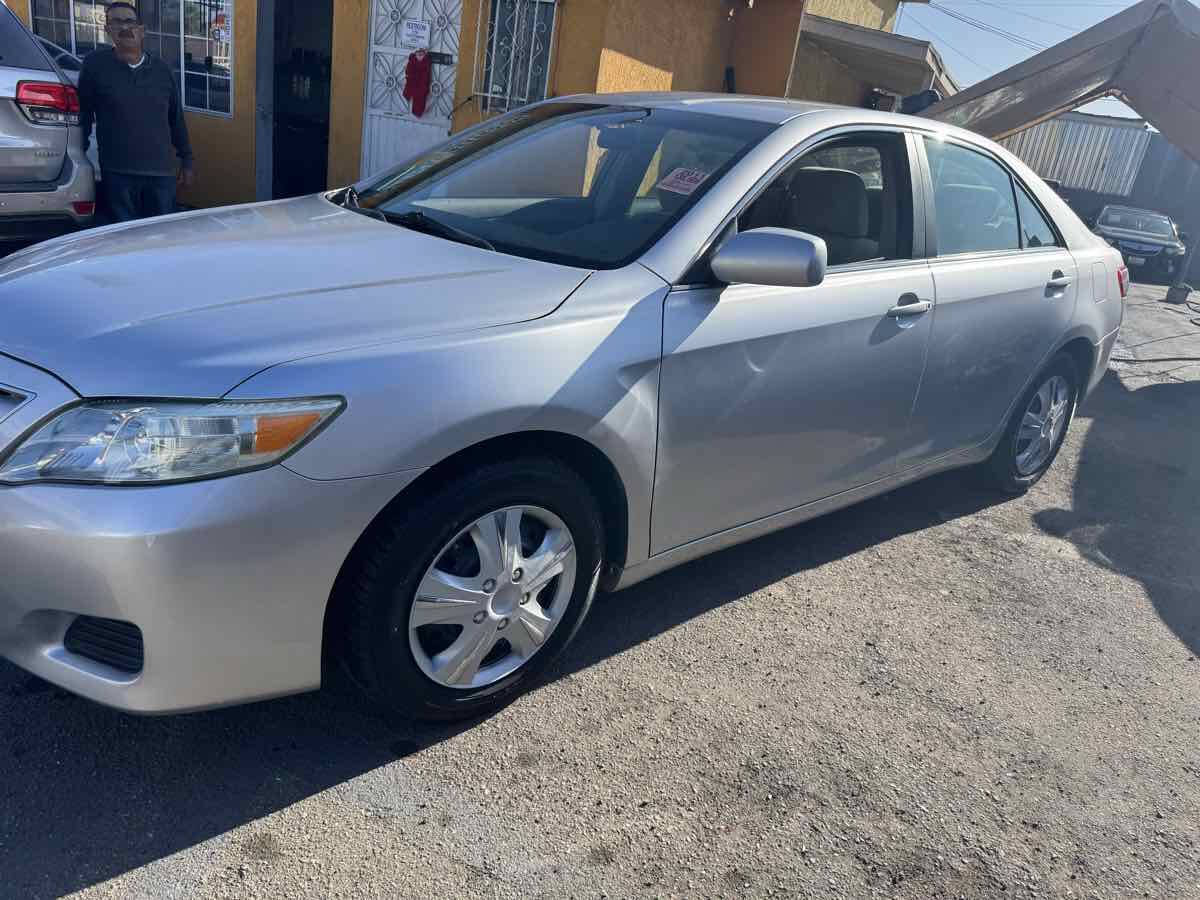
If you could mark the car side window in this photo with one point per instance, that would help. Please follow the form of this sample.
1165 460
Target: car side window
973 199
1036 231
854 192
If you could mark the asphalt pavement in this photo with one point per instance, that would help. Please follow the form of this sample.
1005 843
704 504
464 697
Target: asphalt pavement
939 693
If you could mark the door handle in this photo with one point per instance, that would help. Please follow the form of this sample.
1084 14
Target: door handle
909 305
1058 281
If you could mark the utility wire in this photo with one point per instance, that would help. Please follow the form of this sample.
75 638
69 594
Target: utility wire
945 43
1017 39
1028 16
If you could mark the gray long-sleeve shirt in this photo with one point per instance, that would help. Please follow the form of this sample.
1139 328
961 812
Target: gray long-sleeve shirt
138 114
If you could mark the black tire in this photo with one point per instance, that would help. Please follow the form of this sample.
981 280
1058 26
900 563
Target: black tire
381 590
1001 467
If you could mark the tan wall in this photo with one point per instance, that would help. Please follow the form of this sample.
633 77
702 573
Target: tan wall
817 75
871 13
21 8
681 45
224 147
347 92
763 45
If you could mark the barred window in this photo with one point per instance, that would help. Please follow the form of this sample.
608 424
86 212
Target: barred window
193 37
515 65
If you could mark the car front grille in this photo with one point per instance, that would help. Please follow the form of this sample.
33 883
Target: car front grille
116 644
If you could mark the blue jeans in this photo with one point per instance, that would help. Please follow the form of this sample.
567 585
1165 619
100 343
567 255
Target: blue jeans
132 197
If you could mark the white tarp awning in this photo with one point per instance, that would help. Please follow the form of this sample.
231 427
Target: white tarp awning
1148 55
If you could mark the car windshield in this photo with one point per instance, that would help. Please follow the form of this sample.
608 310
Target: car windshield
586 185
1136 220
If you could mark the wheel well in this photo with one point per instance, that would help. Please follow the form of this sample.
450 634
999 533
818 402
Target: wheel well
1084 354
589 462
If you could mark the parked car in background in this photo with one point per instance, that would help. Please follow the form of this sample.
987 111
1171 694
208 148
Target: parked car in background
47 185
411 425
71 66
1151 244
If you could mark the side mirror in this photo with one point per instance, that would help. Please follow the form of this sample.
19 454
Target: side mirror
1183 236
772 256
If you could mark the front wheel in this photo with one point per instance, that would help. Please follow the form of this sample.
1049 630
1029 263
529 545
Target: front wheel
1037 429
459 602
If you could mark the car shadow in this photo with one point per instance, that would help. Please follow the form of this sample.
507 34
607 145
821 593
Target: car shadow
88 793
1136 498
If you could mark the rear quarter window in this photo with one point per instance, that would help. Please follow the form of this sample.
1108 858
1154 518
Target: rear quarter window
18 49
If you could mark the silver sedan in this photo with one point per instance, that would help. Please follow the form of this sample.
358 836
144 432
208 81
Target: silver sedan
413 425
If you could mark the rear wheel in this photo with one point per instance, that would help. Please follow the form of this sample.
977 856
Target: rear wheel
1037 429
459 602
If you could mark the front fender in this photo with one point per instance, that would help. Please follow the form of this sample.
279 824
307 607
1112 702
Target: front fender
590 370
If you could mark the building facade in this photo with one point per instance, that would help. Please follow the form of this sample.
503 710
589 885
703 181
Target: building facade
288 96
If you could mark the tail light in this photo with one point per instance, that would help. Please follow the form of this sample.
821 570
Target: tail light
47 103
84 208
1123 280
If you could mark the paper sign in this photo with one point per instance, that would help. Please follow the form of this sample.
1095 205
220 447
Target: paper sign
415 34
683 181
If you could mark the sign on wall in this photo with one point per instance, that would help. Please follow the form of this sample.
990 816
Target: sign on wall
415 34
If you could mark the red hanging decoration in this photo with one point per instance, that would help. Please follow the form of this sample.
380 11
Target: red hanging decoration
418 77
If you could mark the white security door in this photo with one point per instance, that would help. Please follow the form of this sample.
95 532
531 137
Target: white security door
391 133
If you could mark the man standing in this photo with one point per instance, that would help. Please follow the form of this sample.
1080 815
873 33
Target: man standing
134 99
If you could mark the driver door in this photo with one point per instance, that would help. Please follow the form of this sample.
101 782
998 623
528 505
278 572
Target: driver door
775 397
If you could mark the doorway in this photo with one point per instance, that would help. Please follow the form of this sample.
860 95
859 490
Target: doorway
392 131
302 66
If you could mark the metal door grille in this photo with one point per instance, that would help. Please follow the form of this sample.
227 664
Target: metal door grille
512 65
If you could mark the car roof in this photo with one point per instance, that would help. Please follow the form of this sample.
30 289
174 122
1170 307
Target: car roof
775 110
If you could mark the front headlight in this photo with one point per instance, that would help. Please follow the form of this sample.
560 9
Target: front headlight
151 442
1176 249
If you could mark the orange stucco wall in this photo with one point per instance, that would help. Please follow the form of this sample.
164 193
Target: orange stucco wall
680 45
224 146
347 93
764 44
871 13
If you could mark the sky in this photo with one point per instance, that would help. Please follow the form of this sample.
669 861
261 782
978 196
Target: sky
973 54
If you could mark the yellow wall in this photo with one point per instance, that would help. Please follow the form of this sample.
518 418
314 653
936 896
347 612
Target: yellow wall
351 22
817 75
224 146
680 45
21 8
763 45
871 13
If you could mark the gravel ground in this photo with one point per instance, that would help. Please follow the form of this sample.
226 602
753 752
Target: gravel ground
934 694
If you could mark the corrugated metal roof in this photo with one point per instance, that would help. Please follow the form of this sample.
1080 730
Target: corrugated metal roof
1083 152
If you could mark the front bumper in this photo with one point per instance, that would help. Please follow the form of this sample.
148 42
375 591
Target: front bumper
227 579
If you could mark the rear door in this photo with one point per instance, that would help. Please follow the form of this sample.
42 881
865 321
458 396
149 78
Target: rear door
29 153
1006 290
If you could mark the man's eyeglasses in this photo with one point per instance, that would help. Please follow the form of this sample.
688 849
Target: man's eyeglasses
124 21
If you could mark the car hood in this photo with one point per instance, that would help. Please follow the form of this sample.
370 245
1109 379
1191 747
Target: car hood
191 305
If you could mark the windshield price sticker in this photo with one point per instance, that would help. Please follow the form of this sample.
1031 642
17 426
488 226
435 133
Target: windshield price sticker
683 181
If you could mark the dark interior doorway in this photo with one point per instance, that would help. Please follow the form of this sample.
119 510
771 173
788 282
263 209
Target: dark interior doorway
303 62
